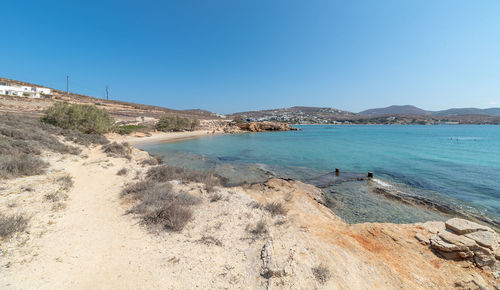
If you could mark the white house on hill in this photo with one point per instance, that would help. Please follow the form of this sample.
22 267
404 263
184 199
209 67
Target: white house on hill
23 91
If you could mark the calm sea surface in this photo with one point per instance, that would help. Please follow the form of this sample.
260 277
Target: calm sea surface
459 165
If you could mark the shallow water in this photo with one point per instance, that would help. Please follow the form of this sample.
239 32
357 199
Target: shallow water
459 165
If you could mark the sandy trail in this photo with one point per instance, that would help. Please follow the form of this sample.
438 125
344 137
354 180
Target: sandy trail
93 245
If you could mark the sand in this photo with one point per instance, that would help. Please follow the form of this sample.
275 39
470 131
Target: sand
164 137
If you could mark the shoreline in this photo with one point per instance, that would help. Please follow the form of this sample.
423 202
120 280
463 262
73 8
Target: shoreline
163 137
418 202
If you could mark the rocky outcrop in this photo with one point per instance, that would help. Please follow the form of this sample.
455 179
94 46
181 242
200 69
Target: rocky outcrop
465 240
265 126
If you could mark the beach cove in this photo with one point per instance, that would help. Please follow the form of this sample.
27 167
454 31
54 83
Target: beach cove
450 164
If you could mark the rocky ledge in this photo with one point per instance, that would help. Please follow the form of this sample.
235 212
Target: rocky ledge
459 239
265 126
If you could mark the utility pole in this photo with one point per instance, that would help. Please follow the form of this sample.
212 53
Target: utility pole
67 85
107 96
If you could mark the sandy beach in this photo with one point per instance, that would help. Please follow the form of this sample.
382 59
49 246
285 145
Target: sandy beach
163 137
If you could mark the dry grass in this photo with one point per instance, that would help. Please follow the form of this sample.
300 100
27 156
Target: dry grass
259 229
23 139
276 208
160 206
12 224
321 273
21 165
118 150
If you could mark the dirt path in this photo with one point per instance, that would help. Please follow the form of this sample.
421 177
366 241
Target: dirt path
93 245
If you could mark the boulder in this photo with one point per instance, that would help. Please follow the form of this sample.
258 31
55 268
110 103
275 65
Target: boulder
434 227
484 238
265 126
461 226
449 242
466 240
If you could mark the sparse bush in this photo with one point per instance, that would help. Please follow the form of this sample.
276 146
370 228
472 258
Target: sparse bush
122 171
118 150
194 123
21 165
275 208
29 136
321 273
127 129
137 189
81 138
254 204
209 240
12 224
66 182
85 118
159 205
52 197
154 160
175 124
170 216
260 228
215 197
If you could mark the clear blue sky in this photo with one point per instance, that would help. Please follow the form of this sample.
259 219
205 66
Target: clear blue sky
229 56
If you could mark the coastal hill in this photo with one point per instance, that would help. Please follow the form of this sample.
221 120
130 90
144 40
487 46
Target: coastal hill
412 110
297 114
122 111
391 115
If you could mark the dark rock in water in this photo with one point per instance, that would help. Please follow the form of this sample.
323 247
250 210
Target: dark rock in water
331 178
228 158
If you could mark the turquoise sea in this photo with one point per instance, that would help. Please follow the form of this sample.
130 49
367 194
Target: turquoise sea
457 165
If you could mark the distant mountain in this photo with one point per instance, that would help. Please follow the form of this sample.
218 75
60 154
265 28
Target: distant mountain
461 111
412 110
493 111
395 110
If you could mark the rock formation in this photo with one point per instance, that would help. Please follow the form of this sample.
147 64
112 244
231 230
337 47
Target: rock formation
265 126
461 239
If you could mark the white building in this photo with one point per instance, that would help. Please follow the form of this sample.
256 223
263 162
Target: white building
23 91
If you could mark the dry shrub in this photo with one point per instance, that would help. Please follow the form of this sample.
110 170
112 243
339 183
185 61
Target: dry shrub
171 216
122 171
260 228
12 224
215 197
276 208
138 189
66 182
160 206
118 150
321 273
209 240
155 160
21 165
